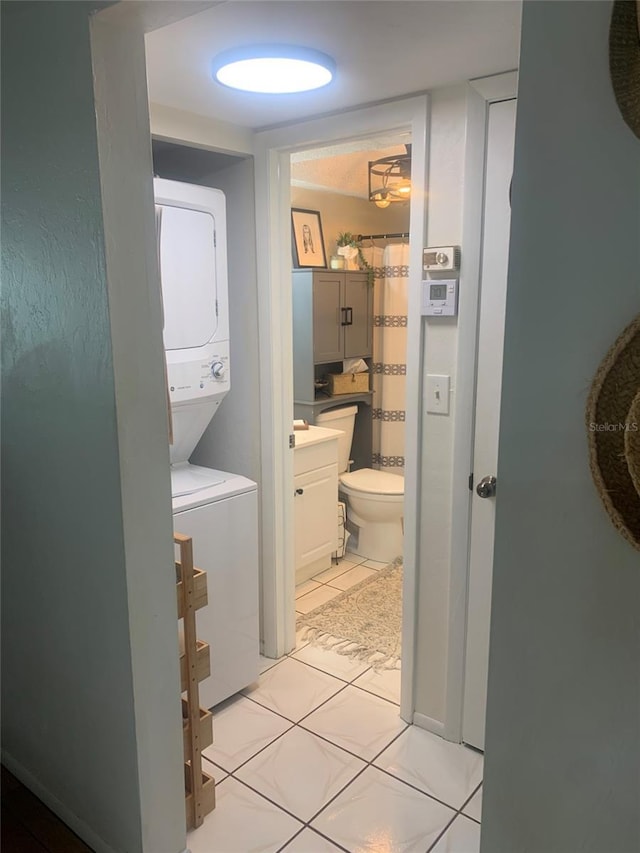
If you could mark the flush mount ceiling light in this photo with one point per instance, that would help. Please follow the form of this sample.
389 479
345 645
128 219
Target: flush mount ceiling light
273 69
390 179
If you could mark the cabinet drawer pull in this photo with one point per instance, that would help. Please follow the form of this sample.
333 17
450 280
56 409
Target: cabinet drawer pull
299 491
349 316
343 321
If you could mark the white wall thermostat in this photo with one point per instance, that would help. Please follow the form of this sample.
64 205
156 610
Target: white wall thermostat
440 297
441 259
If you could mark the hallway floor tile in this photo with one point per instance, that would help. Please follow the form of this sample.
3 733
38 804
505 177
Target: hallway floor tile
320 761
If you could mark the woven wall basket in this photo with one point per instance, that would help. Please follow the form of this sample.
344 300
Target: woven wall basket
632 443
613 424
624 60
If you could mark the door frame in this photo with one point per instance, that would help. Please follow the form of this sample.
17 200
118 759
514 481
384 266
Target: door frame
272 152
481 93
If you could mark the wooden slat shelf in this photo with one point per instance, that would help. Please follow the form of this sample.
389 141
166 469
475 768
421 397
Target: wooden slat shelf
197 732
202 661
200 597
207 796
206 728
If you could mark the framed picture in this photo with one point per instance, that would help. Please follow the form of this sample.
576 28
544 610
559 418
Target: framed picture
308 242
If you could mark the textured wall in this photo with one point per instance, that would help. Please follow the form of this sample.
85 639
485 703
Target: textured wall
90 711
563 726
67 712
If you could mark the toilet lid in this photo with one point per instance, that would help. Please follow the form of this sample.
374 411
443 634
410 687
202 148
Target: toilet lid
377 482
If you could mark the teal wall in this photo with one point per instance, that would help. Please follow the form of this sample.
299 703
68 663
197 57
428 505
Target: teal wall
563 724
67 709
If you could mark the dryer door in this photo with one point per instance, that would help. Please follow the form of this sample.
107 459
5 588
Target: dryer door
188 274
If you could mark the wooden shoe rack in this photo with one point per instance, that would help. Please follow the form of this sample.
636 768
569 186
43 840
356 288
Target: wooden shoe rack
197 722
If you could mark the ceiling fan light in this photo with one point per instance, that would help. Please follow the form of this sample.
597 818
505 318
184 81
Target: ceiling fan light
390 179
381 199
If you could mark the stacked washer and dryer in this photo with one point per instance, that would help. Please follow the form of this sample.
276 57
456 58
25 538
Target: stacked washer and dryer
216 508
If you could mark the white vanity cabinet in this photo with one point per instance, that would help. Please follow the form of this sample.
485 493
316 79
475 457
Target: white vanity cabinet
315 486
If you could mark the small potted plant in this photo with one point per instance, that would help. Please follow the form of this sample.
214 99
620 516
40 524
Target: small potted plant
350 249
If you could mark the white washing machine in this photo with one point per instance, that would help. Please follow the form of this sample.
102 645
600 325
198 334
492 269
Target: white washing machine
222 520
217 509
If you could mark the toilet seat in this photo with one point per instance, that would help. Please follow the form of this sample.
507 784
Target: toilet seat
371 482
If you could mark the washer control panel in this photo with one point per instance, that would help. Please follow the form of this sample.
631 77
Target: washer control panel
207 375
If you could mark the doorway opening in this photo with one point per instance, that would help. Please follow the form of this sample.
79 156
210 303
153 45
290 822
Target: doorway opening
349 333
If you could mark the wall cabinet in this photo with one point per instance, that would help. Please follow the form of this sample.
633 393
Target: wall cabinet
332 320
342 314
334 312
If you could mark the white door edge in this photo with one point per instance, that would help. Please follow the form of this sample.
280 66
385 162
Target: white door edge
272 169
480 94
488 392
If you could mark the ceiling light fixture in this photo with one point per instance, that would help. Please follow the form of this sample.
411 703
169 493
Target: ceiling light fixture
274 69
390 179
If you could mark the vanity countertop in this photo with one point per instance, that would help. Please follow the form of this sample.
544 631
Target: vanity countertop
315 435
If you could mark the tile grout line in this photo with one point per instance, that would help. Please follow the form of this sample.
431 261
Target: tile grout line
335 796
442 834
468 800
419 790
332 675
335 577
328 583
367 763
217 766
324 671
307 823
377 695
455 817
298 724
289 840
352 682
317 831
269 800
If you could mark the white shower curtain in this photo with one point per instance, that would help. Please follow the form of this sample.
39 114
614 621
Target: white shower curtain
391 272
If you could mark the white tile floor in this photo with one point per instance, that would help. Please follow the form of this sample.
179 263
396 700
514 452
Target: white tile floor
314 758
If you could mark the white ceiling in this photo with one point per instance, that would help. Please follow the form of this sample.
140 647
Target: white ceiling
382 49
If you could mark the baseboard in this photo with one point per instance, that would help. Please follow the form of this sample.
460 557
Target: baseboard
65 814
428 723
314 568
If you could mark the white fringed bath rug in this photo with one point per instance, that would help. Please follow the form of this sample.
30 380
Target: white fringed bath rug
363 622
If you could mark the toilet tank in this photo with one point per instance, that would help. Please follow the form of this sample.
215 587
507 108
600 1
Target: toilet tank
342 419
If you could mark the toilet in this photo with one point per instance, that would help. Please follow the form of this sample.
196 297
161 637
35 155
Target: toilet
375 499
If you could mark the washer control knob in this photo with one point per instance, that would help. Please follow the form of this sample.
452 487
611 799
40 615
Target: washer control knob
217 369
442 258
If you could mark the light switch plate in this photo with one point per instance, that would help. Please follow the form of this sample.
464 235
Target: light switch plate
437 389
